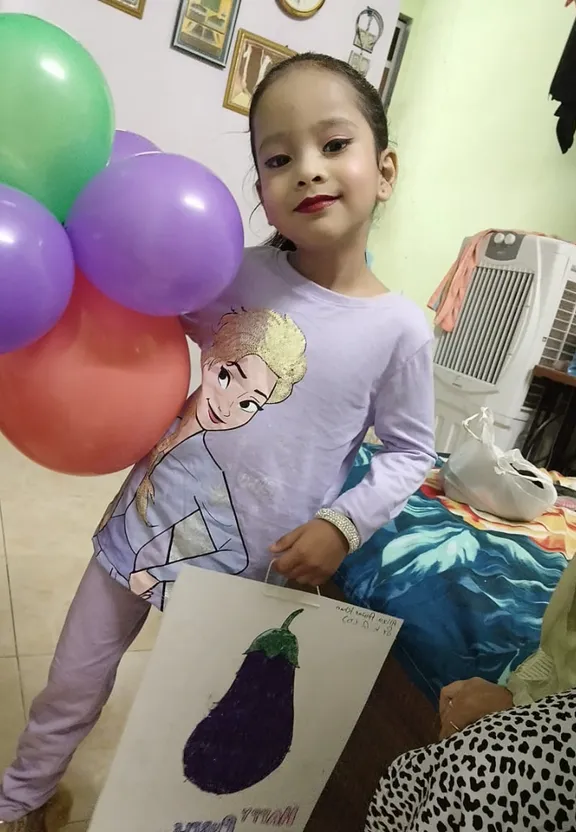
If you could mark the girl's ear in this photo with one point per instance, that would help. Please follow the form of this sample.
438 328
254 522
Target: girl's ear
388 167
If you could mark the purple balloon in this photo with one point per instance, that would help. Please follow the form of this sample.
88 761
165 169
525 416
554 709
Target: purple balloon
128 144
157 233
36 270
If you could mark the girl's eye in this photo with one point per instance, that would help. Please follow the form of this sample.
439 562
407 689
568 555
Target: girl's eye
223 378
248 406
336 145
277 161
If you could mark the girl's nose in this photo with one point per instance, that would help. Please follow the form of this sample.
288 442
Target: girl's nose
310 169
224 408
318 178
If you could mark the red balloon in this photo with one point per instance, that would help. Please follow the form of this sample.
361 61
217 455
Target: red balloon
98 392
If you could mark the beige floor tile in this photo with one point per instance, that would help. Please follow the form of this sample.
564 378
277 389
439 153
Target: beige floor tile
82 826
2 549
48 544
52 527
49 514
147 637
21 478
11 711
42 588
89 768
56 525
7 643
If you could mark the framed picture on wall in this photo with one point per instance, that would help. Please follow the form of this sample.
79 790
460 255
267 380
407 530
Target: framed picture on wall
360 62
133 7
253 57
204 29
394 59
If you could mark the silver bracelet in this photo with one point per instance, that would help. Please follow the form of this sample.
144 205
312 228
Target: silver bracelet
343 524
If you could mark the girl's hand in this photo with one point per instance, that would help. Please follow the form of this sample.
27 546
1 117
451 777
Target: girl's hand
312 553
142 583
463 703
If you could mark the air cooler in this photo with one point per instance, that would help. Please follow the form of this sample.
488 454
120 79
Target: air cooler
519 311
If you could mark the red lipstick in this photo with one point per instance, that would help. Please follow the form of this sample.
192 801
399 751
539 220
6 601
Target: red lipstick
313 204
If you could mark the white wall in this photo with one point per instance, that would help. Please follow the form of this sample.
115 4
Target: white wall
175 99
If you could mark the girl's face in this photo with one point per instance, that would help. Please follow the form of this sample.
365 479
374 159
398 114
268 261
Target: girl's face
319 175
233 392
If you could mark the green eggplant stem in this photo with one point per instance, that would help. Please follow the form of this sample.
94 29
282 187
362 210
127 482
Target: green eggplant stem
280 641
290 619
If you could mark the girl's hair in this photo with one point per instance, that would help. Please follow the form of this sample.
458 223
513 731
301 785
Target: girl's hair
275 338
369 102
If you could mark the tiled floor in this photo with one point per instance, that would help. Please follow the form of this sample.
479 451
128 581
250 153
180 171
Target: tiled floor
46 522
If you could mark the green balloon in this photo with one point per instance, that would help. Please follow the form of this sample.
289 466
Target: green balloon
56 112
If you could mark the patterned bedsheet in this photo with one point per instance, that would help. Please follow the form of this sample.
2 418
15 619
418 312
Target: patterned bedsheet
471 588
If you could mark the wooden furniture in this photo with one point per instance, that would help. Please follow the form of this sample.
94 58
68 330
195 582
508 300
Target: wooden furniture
550 437
397 718
540 371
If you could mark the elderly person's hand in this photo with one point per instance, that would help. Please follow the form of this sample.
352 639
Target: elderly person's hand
463 703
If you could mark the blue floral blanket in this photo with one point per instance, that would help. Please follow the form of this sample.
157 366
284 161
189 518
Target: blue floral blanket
471 588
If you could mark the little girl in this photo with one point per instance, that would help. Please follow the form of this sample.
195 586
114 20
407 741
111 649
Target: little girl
302 354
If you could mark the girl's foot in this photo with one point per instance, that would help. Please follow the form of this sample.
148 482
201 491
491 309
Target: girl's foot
49 818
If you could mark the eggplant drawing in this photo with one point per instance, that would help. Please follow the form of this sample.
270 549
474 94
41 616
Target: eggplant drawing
247 735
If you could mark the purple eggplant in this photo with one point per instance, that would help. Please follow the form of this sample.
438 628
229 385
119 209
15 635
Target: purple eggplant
248 734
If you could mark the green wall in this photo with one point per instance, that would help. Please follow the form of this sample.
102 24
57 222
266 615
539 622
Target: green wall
412 8
475 133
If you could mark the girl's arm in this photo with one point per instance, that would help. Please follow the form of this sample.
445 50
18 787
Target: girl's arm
404 423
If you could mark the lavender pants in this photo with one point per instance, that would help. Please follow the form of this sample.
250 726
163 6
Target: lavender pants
103 621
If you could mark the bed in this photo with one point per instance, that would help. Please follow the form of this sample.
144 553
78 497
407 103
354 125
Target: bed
472 589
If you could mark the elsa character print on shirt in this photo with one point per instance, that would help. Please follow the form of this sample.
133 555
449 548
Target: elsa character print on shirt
176 507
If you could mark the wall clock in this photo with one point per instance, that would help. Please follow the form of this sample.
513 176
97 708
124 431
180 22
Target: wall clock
301 8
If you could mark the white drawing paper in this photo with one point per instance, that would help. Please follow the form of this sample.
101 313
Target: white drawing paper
249 698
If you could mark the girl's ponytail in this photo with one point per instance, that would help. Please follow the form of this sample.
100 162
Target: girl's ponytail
279 241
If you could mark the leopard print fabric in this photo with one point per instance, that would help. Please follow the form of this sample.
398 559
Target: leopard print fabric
512 771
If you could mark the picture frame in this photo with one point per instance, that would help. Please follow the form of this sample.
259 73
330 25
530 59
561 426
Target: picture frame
394 59
135 8
360 62
369 29
253 57
301 9
204 29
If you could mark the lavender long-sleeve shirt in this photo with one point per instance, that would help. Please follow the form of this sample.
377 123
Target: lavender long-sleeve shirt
325 368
